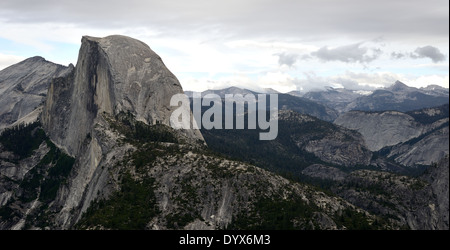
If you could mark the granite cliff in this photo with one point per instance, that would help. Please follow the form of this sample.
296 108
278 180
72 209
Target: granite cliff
113 74
412 138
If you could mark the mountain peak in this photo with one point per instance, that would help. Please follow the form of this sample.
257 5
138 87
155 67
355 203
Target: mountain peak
270 91
35 59
23 87
234 89
27 63
115 74
398 86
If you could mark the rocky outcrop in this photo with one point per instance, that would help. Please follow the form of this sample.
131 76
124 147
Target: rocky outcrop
324 172
437 210
194 190
381 129
113 74
13 172
330 143
415 138
219 199
416 203
23 87
425 150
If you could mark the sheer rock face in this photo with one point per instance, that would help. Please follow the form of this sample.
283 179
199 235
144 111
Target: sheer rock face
426 151
381 129
113 74
388 128
414 138
438 177
23 87
330 143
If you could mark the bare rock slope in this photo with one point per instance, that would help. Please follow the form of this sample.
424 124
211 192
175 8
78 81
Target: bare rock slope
417 137
416 203
381 129
23 87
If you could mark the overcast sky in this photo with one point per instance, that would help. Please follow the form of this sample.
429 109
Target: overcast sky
281 44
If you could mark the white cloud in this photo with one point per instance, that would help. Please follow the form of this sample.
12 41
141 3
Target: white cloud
272 45
205 83
366 81
280 81
8 60
423 81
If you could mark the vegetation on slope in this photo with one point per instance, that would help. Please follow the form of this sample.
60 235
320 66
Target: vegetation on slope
22 140
43 181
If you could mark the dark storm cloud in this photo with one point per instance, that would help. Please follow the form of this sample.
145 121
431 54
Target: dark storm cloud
348 53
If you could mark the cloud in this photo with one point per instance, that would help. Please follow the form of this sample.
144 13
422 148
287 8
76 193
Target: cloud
288 59
8 60
429 52
423 81
273 18
398 55
348 53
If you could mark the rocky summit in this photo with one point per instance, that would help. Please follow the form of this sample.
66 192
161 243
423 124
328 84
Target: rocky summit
24 87
115 74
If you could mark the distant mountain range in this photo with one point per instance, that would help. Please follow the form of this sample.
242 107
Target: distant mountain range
397 97
328 104
285 102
